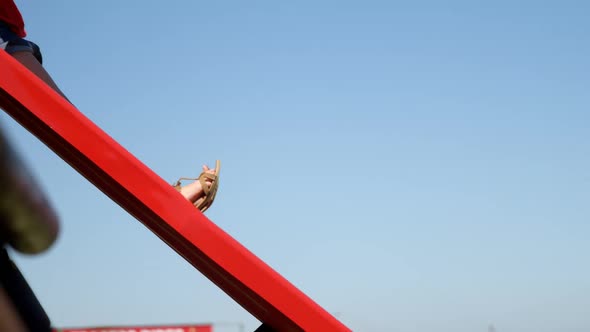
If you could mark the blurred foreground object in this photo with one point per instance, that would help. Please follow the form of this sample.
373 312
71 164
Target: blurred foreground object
27 221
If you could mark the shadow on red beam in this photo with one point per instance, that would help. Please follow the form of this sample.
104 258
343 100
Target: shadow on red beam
155 203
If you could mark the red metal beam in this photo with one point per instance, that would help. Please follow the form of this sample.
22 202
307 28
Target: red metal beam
155 203
162 328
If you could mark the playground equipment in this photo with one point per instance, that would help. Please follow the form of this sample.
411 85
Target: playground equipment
253 284
167 328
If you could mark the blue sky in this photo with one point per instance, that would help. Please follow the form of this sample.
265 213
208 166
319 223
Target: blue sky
411 166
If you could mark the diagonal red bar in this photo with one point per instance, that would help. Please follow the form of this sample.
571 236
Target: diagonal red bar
131 184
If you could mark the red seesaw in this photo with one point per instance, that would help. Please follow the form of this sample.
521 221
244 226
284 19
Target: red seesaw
273 300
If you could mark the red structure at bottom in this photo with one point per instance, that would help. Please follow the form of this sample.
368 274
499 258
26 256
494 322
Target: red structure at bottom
169 328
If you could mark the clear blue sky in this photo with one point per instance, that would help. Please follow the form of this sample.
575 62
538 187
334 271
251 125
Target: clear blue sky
411 166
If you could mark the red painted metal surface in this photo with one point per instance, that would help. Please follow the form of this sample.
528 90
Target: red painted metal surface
136 188
166 328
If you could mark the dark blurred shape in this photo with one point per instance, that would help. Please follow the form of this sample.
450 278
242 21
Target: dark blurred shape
27 221
19 307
